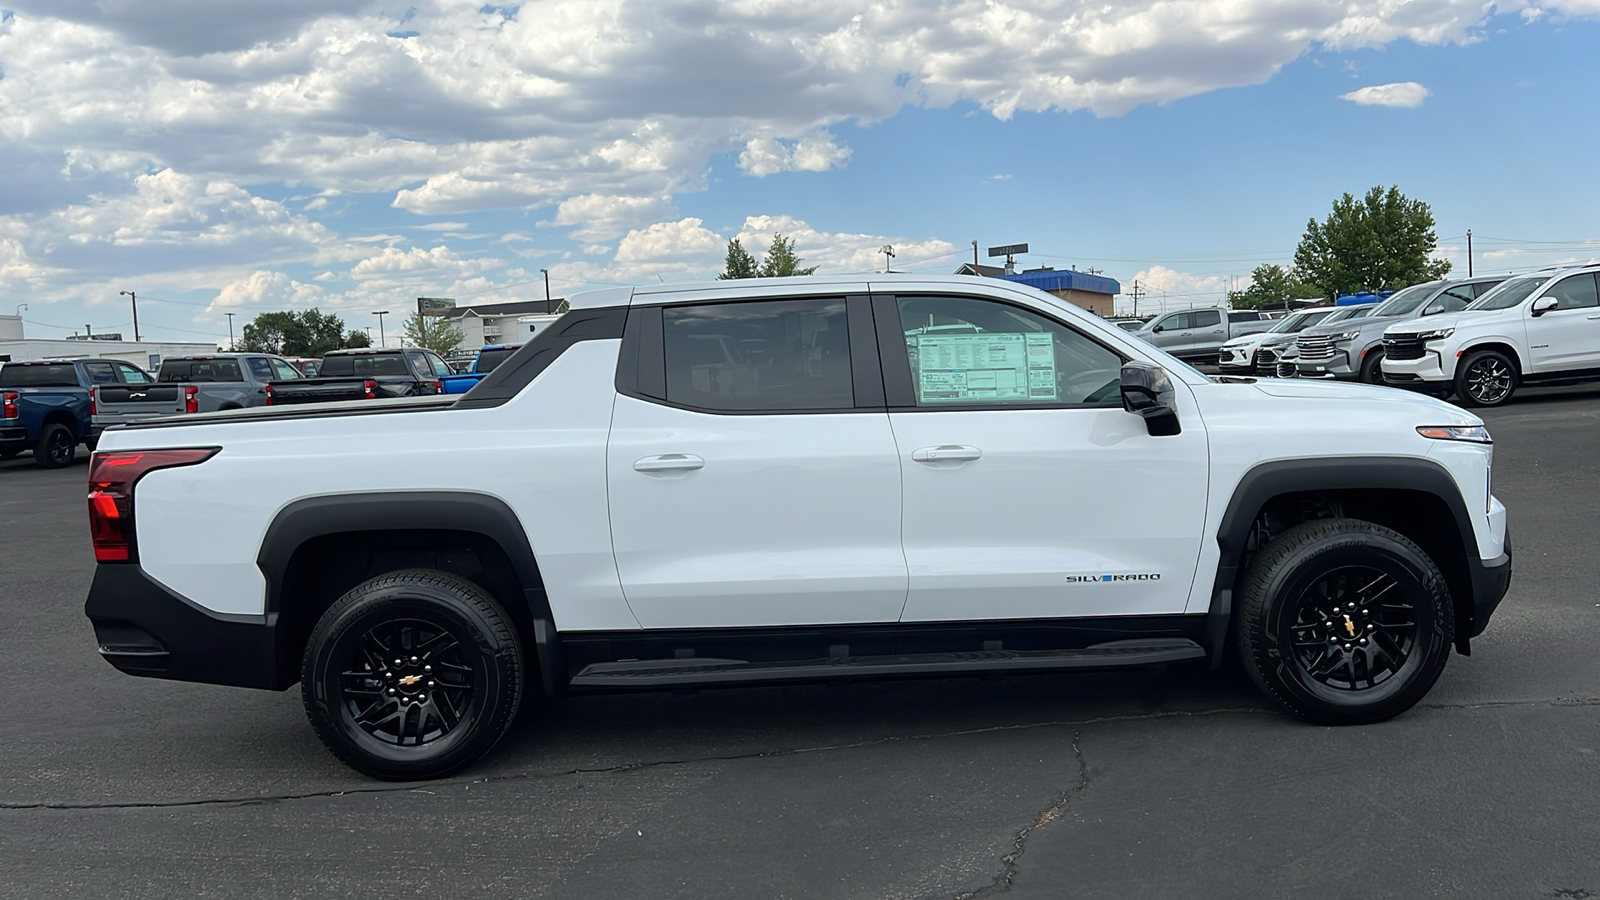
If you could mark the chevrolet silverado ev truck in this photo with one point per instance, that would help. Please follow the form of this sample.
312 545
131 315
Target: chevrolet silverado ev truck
792 480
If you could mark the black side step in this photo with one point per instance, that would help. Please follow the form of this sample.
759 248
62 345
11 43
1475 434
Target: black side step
651 673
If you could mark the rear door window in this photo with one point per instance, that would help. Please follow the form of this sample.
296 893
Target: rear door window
260 368
760 355
282 371
100 372
132 374
1205 318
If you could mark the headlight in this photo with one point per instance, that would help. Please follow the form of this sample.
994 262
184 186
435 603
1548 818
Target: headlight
1347 336
1474 434
1435 335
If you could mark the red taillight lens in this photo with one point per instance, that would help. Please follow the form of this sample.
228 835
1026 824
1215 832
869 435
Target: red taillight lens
8 405
369 390
269 395
94 403
112 476
438 386
191 399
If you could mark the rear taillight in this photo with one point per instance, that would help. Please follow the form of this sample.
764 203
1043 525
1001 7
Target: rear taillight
269 395
438 386
8 405
94 403
369 390
112 476
191 399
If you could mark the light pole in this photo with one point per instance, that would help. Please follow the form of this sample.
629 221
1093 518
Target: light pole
231 345
135 299
380 314
888 254
546 290
20 308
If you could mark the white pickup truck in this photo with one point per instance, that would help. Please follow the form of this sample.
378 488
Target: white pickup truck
794 480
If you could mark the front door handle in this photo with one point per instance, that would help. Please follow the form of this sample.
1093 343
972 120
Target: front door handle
669 462
1594 317
947 453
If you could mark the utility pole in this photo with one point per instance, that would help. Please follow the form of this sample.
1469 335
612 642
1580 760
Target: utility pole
1469 252
546 290
422 325
380 314
1137 293
975 257
231 345
888 254
135 298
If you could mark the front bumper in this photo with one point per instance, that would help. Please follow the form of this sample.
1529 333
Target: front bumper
1336 366
1490 581
143 628
1430 367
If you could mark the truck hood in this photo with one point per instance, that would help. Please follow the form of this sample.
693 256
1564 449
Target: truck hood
1434 323
1249 340
1436 412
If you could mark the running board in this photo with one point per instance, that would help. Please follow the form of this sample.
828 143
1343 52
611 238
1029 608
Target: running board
649 673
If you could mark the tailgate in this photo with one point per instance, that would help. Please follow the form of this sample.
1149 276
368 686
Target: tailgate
115 404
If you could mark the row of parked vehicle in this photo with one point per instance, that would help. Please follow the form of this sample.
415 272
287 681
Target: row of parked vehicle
52 406
1474 339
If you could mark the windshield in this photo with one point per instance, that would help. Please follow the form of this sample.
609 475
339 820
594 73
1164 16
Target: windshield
1509 293
1407 301
1350 312
1298 322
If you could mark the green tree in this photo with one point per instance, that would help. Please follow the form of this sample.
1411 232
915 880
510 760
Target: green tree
781 260
308 333
1271 287
433 334
739 263
357 339
1383 241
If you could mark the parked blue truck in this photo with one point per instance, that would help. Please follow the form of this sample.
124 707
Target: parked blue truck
482 364
45 406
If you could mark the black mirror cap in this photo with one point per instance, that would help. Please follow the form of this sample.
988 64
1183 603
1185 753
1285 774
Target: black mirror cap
1147 392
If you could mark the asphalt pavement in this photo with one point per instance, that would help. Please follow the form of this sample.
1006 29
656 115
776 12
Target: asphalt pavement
1186 784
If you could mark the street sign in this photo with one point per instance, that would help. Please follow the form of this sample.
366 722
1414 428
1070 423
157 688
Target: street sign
1008 250
434 306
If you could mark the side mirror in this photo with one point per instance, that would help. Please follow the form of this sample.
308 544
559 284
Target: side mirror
1433 309
1147 392
1544 305
1158 329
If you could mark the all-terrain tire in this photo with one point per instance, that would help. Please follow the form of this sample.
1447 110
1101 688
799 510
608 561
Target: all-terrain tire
413 674
1344 622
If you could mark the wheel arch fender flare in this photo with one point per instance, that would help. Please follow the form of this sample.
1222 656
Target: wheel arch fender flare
1268 480
327 514
1496 342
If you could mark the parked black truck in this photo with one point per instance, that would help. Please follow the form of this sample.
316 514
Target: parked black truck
364 374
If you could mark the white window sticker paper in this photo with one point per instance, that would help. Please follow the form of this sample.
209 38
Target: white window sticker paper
966 368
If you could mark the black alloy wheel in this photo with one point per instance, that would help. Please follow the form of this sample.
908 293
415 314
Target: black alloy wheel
55 448
1486 378
1372 366
1344 622
413 674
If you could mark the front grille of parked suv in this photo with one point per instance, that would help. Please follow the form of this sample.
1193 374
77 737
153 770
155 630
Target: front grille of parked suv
1286 369
1315 349
1266 360
1402 348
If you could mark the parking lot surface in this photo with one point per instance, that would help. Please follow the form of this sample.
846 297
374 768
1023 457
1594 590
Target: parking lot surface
1179 785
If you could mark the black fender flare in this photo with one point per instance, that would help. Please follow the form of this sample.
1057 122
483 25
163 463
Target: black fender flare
467 511
1297 476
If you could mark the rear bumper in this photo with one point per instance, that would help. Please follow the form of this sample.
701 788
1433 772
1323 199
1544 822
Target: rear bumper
13 434
143 628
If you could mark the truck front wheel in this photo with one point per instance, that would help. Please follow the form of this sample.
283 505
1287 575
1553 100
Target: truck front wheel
1485 378
1344 622
413 674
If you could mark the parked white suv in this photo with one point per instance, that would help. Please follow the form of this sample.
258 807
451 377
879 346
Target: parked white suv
795 479
1543 327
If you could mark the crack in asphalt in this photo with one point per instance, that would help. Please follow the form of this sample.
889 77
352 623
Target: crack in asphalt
1009 865
416 786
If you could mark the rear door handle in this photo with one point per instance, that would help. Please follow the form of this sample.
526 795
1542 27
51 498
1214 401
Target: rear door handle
669 462
1594 317
947 453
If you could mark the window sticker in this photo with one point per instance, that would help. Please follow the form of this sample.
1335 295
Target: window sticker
963 368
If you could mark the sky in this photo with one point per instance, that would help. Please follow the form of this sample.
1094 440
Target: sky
217 156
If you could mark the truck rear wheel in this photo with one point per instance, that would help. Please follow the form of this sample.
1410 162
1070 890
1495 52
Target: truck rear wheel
413 674
1344 622
55 448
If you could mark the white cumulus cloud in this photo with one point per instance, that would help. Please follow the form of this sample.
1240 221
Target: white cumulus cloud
1400 93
